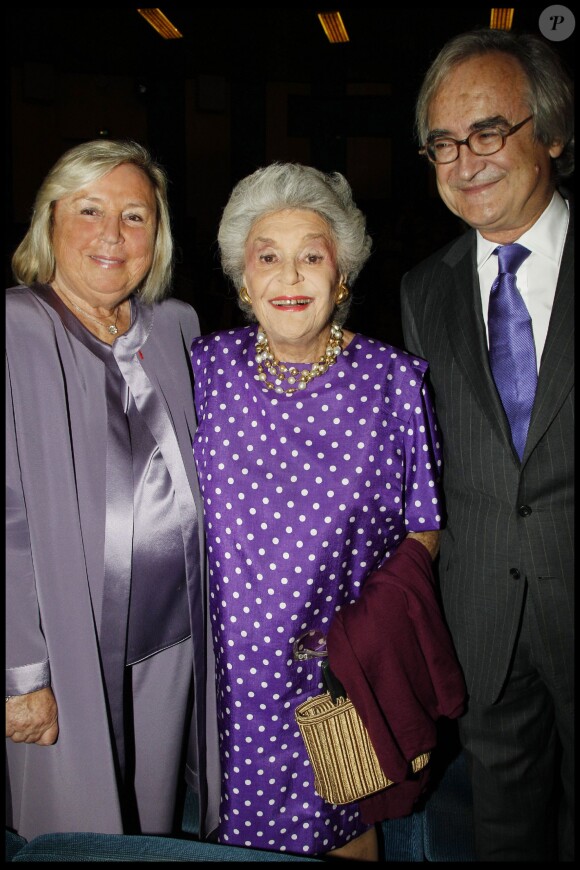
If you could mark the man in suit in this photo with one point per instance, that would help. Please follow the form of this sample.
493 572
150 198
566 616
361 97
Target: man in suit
495 118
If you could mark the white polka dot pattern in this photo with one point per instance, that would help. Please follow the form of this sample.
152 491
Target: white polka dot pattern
304 496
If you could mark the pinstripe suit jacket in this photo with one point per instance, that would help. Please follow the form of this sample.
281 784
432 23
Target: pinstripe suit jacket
506 521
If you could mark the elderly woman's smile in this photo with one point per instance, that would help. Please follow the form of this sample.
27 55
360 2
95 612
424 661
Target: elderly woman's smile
291 275
291 302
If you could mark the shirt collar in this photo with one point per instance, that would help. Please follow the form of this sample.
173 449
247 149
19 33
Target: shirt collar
546 237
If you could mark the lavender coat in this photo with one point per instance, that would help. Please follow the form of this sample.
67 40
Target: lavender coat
56 498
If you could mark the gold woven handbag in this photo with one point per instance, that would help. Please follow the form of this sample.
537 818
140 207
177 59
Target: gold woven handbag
345 765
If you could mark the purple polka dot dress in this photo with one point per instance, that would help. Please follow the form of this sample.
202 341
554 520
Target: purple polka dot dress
304 496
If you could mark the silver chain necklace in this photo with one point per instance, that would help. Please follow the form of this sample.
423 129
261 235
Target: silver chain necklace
111 328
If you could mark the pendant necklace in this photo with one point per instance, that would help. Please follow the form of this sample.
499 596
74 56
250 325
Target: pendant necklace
111 328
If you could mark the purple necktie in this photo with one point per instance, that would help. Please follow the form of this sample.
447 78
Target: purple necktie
512 353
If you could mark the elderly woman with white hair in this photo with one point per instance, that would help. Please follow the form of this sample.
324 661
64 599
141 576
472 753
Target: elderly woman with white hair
317 455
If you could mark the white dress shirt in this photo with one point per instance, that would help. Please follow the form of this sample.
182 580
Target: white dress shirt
538 275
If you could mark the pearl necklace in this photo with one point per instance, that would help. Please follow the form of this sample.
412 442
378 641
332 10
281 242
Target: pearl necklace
112 328
298 380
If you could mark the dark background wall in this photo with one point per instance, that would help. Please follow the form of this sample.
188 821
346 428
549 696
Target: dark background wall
244 87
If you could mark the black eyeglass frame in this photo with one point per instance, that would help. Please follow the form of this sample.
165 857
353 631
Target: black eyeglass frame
424 150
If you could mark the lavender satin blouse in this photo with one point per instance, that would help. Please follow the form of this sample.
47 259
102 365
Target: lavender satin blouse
144 560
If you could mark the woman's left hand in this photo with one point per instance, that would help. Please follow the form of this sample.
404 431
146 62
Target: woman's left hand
428 539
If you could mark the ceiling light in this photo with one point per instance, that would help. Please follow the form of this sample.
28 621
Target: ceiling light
160 23
333 26
501 19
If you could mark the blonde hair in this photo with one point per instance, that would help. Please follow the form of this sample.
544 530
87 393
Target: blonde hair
34 259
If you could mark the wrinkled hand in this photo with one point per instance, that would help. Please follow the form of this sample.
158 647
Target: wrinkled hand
32 718
428 539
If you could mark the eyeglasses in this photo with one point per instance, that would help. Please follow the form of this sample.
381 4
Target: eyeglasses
310 645
489 140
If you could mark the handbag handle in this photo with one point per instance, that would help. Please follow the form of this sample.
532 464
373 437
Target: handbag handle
333 685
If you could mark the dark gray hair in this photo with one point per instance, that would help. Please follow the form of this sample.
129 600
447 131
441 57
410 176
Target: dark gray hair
549 94
290 185
34 259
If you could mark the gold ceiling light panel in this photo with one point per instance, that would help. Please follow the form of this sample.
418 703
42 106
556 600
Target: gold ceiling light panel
333 26
501 19
160 23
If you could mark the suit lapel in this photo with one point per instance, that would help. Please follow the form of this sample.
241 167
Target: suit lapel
466 332
557 364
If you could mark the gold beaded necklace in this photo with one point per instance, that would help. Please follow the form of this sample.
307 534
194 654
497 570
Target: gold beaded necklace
297 380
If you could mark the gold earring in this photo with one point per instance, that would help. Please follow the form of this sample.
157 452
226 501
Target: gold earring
343 294
245 296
